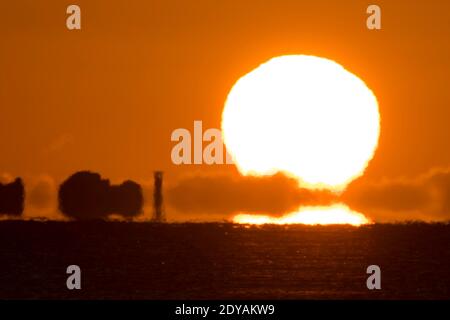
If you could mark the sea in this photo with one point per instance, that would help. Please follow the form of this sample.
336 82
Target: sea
144 260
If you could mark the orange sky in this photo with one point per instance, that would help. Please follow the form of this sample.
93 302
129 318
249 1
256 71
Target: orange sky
107 98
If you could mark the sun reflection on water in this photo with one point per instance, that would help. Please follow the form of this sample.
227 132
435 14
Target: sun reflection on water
313 215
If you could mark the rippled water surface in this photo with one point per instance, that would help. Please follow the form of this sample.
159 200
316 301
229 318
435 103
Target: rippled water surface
212 261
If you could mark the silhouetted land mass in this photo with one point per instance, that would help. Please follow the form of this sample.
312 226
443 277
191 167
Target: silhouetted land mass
127 260
85 195
12 197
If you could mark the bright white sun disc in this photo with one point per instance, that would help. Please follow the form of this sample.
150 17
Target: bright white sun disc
305 116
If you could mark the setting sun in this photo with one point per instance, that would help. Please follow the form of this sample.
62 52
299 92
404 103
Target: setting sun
305 116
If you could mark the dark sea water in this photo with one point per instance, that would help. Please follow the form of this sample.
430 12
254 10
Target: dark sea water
121 260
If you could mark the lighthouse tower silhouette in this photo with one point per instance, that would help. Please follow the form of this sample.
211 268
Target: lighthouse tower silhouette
158 210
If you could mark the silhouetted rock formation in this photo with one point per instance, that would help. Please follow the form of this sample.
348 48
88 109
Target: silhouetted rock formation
126 199
12 197
85 195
